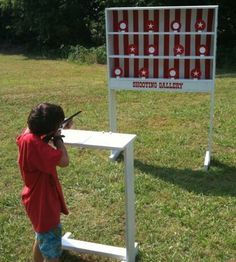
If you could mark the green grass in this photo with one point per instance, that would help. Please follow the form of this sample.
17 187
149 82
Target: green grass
182 212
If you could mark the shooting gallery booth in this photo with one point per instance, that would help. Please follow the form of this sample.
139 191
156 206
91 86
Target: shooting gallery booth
162 49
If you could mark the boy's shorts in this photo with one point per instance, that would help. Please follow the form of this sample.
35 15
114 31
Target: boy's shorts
50 243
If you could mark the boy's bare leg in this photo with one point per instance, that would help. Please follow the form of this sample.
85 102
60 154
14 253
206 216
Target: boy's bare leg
37 254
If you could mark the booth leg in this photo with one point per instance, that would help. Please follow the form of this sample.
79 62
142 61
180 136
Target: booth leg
114 155
207 160
112 118
208 152
131 246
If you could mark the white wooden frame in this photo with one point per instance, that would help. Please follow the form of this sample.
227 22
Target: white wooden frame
111 141
156 84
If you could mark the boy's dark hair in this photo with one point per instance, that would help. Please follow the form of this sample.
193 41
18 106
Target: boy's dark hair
45 118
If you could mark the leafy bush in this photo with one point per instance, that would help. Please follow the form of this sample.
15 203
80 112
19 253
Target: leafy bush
101 54
81 54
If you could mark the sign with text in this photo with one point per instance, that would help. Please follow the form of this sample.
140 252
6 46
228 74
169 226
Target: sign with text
168 43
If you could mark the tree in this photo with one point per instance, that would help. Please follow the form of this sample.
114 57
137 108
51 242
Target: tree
53 23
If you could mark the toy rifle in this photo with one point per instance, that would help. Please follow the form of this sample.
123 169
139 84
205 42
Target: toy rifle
66 120
49 137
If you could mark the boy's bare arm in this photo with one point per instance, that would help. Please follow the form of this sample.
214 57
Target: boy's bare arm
64 161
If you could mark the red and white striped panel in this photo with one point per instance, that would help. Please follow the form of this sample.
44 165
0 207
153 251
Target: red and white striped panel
162 20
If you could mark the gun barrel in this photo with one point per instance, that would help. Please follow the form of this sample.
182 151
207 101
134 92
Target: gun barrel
69 118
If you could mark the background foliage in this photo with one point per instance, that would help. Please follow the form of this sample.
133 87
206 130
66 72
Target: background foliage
70 22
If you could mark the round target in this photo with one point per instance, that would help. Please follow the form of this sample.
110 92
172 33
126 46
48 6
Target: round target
117 72
175 25
123 26
172 73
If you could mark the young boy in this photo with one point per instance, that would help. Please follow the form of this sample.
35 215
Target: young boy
42 195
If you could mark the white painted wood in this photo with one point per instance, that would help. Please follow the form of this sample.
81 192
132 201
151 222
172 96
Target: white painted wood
95 139
161 57
116 142
130 203
207 160
93 248
112 119
161 33
96 249
164 7
196 86
114 155
212 96
67 235
188 85
112 93
212 100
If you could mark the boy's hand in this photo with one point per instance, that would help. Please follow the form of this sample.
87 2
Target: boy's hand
58 132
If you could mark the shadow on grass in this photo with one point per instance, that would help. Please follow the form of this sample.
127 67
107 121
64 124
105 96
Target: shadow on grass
68 256
30 54
219 180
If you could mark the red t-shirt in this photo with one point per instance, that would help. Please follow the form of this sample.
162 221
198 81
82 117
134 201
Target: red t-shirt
42 195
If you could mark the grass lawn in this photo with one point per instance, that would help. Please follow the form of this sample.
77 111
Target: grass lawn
182 212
